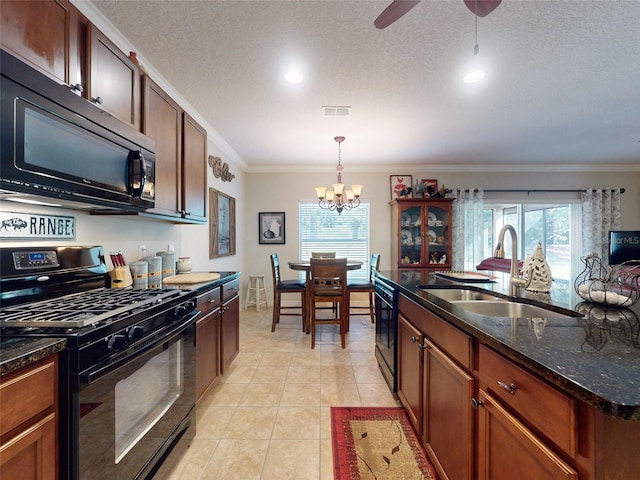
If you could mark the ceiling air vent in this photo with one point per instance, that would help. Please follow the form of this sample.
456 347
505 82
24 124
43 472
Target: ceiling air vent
336 111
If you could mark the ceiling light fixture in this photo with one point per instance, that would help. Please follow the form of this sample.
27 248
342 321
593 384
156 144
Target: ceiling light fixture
339 199
477 73
293 77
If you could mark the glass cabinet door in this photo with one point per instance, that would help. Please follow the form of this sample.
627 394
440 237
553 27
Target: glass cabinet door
438 236
411 235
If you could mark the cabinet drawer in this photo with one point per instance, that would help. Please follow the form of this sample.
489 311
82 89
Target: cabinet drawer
209 300
541 406
28 393
230 289
452 340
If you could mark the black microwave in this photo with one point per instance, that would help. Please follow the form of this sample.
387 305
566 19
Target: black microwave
58 147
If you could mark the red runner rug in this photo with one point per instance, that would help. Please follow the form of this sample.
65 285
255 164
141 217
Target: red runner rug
377 444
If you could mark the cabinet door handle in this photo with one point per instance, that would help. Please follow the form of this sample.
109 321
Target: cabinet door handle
422 346
511 388
476 403
98 100
414 339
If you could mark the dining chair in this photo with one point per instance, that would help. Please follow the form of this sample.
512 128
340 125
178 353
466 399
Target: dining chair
366 286
323 254
328 284
286 286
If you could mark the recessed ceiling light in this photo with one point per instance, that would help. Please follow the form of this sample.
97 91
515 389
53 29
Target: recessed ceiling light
474 76
293 77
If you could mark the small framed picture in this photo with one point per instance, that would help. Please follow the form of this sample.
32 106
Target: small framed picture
400 186
430 187
271 228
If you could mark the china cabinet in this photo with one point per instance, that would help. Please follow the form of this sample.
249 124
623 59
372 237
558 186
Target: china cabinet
421 233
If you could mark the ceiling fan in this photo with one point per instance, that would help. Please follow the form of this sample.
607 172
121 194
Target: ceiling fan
398 8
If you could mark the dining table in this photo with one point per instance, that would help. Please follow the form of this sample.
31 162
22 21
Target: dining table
305 266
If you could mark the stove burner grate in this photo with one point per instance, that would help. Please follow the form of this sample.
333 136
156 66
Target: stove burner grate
83 308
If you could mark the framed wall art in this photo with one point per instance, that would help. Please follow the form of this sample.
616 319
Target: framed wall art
400 184
430 186
222 224
271 228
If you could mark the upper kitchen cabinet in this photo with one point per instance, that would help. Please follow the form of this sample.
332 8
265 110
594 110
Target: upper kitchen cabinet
421 233
162 122
44 34
181 148
194 174
113 81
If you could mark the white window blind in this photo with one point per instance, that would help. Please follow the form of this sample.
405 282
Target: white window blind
346 234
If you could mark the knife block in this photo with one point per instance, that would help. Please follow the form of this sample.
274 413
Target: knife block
120 277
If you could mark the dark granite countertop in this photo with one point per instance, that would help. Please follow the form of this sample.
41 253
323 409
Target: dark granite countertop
595 358
19 352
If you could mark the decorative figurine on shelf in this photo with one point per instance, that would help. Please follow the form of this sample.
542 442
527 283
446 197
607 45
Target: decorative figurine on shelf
431 192
537 271
443 259
418 189
406 192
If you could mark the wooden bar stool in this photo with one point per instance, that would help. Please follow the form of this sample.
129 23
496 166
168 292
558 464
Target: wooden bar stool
256 285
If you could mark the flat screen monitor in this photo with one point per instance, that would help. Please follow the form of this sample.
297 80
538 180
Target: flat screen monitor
624 246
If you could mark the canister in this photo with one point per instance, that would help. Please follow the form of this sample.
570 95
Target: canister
140 274
168 263
155 271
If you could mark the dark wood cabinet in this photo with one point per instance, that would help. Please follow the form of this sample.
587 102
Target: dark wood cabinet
45 35
421 233
229 332
28 424
181 150
207 342
194 174
410 374
113 81
448 417
162 122
434 388
507 449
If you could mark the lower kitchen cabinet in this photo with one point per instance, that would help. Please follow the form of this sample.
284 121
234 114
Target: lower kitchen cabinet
448 419
435 390
28 424
507 449
410 371
229 332
207 342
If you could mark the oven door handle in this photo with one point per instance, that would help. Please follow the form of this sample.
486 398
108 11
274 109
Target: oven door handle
136 349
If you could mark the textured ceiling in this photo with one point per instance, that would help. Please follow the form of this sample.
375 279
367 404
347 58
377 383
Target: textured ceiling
563 86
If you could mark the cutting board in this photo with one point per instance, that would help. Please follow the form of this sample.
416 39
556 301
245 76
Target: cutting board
197 277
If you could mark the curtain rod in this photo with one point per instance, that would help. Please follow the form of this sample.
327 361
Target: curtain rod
622 190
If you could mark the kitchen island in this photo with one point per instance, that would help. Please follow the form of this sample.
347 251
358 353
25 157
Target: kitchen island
566 390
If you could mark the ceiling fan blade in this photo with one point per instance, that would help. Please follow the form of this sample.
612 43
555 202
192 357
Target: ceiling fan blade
482 8
393 12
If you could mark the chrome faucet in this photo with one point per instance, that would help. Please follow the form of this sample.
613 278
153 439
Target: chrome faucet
515 281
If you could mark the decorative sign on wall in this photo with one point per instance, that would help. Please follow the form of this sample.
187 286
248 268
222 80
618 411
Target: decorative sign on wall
27 226
220 169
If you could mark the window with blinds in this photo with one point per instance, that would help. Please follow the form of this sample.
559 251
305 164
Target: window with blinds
346 234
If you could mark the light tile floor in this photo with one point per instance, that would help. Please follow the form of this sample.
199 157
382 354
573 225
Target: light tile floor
269 417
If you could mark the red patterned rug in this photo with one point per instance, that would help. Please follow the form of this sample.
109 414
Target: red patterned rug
376 443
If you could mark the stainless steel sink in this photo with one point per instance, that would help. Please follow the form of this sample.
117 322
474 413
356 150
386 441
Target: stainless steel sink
460 294
509 309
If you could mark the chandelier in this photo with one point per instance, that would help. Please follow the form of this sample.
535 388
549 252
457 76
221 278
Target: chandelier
339 199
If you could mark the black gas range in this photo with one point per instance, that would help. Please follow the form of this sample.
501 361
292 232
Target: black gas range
127 377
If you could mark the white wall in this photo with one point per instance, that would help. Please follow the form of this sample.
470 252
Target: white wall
277 192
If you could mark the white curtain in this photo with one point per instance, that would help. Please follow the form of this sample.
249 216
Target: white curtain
600 213
467 246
